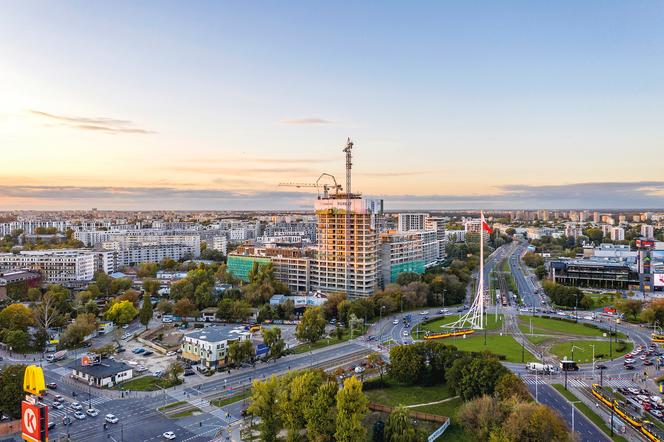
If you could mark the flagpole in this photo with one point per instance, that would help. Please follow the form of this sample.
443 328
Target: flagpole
481 282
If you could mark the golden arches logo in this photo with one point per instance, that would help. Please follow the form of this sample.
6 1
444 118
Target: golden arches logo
33 380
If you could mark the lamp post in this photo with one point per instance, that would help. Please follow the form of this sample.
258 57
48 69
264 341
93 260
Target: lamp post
572 404
593 346
380 325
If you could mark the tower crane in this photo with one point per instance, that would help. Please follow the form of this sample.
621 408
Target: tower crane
326 187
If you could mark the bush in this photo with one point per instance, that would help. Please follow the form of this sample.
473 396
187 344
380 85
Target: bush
620 346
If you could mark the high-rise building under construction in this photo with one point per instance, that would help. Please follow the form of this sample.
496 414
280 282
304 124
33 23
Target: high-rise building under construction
348 259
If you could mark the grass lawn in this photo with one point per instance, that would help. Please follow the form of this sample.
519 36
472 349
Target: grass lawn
185 413
397 394
587 411
230 400
146 383
504 345
435 326
171 405
601 299
555 326
562 349
303 348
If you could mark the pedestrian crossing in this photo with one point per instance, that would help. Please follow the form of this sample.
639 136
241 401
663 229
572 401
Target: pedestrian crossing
54 413
582 383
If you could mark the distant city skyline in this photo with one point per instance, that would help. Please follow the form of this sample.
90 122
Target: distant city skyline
209 105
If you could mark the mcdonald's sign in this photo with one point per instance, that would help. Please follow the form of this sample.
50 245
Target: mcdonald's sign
33 380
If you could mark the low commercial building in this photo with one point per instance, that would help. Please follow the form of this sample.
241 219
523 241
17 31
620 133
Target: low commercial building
594 274
300 301
15 283
105 373
209 346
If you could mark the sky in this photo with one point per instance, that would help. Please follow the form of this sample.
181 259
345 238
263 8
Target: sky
210 105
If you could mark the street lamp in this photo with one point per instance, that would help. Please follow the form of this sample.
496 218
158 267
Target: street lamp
572 404
380 325
593 346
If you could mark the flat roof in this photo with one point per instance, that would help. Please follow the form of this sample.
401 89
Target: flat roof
107 368
217 333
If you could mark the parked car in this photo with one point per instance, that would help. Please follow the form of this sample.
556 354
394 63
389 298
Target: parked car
359 369
148 353
171 353
189 372
111 419
158 373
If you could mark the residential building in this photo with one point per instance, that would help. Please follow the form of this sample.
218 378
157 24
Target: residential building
58 266
220 244
647 231
411 221
209 346
347 258
617 234
402 252
292 266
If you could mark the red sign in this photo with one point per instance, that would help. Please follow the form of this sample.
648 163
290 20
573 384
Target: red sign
34 420
644 244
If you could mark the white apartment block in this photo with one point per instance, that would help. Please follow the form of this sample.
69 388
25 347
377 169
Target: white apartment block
240 234
617 234
58 266
129 238
647 231
29 226
220 244
150 253
411 221
472 226
347 258
573 230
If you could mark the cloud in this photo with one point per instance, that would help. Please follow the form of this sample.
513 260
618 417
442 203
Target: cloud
609 195
101 124
305 121
392 174
241 171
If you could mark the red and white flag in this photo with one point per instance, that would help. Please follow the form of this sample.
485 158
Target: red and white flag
485 226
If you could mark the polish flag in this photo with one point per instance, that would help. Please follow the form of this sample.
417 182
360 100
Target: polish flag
485 226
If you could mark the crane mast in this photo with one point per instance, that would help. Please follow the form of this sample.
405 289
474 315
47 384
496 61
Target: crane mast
349 165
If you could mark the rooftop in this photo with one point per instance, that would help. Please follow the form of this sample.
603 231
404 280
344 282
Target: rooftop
108 367
217 333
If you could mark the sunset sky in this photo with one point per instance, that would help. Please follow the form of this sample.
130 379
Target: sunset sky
209 105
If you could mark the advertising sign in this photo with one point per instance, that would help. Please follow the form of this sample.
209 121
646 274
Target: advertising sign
657 261
34 422
659 280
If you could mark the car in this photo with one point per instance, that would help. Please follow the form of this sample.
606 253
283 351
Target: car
158 373
634 390
120 350
125 327
171 353
92 412
657 413
629 367
646 406
405 332
79 415
51 425
75 406
52 385
600 366
395 322
57 405
642 357
642 397
359 369
87 344
138 350
141 369
127 336
629 361
425 312
57 398
169 435
66 421
647 362
442 311
426 317
189 372
111 419
148 353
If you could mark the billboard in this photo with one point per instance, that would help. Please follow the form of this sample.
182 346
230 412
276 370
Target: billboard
657 261
659 280
34 422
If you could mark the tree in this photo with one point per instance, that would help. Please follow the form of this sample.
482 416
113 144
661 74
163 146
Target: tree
406 278
165 306
129 295
320 415
272 338
533 259
481 416
11 390
16 317
330 306
530 421
376 360
34 294
406 364
104 351
120 285
474 375
145 314
82 326
103 282
312 326
146 269
509 385
184 308
297 397
399 427
17 340
151 286
351 409
121 313
46 315
630 307
174 370
263 405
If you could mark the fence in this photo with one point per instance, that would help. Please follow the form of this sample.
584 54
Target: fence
414 414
